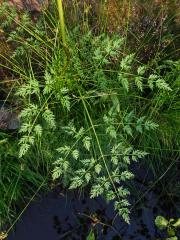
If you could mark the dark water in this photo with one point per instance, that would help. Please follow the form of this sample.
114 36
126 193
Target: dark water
69 216
57 217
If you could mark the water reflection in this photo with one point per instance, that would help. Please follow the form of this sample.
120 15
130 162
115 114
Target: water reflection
68 216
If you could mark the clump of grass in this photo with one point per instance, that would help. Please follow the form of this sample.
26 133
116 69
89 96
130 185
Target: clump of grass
19 178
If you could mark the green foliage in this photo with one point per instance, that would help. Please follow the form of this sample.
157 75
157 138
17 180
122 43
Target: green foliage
161 222
171 226
9 19
94 151
91 235
89 109
17 176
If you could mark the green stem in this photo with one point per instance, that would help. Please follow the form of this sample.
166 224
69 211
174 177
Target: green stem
99 146
61 19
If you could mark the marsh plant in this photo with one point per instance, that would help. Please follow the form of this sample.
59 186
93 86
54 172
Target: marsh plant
83 100
89 109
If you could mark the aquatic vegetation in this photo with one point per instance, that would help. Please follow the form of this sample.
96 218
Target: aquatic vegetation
171 226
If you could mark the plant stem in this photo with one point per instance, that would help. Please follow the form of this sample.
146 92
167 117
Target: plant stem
61 19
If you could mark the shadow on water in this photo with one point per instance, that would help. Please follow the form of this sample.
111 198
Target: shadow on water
69 216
